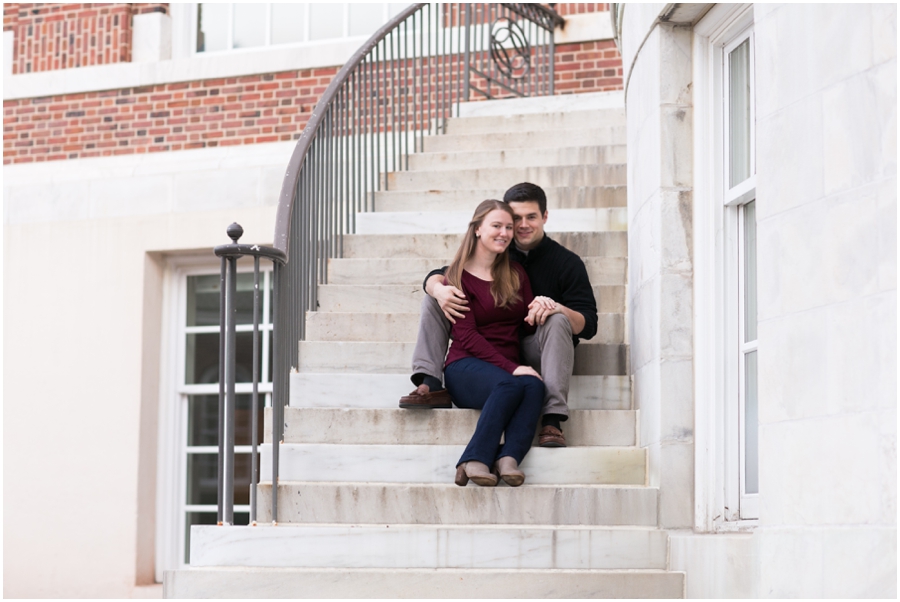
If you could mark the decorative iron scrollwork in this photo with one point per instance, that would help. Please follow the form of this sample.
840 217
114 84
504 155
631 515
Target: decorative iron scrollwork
510 49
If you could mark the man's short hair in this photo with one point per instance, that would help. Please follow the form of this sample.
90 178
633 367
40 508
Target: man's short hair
527 191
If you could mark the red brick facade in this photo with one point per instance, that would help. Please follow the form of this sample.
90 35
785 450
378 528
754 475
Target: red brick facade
217 112
577 8
588 67
64 36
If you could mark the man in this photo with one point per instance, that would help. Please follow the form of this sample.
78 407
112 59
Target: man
564 309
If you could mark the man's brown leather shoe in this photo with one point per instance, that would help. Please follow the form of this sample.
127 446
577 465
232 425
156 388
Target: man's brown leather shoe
550 436
427 400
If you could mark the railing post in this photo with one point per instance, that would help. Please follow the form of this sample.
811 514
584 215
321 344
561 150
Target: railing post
552 61
221 440
227 369
254 405
234 232
467 50
280 378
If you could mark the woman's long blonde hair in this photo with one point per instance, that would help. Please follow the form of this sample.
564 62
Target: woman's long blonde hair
505 285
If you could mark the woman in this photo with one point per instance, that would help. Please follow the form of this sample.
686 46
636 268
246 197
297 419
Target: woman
483 370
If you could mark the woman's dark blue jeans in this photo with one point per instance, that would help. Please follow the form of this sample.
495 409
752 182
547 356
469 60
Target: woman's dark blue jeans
510 404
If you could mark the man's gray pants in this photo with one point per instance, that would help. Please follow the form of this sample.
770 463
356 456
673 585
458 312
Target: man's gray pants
549 351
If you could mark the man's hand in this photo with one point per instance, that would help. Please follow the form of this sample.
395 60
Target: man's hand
540 309
526 371
452 301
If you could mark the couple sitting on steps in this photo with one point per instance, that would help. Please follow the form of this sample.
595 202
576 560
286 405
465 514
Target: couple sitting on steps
515 314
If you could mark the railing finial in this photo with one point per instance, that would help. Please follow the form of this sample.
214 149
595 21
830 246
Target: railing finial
234 232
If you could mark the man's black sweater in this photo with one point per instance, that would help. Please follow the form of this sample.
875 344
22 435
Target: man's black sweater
558 273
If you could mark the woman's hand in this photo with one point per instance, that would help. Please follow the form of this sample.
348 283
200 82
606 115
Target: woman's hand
540 309
526 371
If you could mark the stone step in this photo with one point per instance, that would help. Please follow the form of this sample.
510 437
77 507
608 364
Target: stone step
391 357
437 427
349 390
429 546
600 270
502 177
244 582
530 122
402 503
399 298
351 463
448 222
400 327
569 197
584 244
603 136
519 157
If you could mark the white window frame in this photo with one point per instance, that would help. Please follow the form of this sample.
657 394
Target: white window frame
345 30
717 286
171 500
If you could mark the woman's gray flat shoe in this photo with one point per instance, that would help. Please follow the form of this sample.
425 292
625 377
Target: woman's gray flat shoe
479 473
509 471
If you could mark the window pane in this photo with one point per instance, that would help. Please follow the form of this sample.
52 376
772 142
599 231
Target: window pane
365 18
288 23
203 479
326 21
203 299
212 27
751 426
249 25
750 311
203 419
739 113
202 358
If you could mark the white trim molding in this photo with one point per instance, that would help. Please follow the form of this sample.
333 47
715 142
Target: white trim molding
235 63
712 288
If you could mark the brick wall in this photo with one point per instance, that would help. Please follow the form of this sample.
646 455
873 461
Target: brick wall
588 67
577 8
220 112
64 36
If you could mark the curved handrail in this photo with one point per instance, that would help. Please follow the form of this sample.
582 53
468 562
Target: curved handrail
286 198
537 13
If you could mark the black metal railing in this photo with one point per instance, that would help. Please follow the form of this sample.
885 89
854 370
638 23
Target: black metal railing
227 364
400 87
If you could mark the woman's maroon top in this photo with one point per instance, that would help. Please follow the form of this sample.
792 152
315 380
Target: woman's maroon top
488 332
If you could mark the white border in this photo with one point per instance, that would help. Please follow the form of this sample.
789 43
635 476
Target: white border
712 294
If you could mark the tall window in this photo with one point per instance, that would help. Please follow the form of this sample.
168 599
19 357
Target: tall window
191 412
740 201
726 352
229 26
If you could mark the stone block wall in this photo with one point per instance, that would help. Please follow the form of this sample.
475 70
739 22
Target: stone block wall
660 255
827 253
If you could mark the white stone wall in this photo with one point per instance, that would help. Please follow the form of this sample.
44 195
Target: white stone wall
659 116
84 256
827 247
827 226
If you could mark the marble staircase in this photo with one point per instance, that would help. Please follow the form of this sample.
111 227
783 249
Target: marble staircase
367 504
